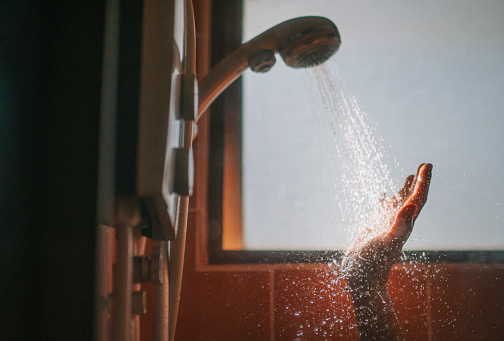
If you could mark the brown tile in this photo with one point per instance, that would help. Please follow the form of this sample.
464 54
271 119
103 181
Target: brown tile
407 285
222 305
467 302
225 306
310 305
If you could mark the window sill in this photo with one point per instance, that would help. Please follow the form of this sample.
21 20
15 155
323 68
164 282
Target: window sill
218 256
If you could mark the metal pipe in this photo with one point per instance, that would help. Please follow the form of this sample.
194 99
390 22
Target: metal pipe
123 283
160 296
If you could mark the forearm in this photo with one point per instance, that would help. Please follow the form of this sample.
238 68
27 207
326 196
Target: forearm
375 314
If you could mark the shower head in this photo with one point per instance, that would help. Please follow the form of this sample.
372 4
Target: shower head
302 42
311 41
311 47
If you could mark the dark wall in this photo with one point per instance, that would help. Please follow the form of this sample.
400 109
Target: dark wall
50 84
21 39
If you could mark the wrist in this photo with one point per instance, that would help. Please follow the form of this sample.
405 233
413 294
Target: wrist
362 278
375 314
359 285
369 294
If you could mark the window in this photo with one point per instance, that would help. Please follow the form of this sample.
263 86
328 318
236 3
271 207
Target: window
430 77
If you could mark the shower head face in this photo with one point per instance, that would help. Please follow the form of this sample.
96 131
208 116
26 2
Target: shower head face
311 47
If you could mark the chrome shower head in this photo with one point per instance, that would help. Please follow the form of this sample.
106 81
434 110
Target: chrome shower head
302 42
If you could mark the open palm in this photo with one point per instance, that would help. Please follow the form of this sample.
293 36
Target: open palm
370 257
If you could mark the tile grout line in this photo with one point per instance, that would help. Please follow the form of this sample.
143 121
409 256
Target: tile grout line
428 303
272 304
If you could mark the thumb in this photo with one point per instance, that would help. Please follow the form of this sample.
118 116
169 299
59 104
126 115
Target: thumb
403 224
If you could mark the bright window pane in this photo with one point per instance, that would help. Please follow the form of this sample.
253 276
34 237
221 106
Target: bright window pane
429 75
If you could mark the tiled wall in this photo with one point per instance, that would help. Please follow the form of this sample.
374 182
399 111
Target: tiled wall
434 302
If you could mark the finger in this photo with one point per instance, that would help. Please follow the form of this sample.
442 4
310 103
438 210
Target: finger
405 190
412 187
421 190
403 224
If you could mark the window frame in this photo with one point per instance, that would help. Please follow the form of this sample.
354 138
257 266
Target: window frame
223 238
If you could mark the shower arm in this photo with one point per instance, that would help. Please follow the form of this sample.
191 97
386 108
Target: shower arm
234 64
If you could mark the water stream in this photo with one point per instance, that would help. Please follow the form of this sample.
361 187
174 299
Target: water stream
356 154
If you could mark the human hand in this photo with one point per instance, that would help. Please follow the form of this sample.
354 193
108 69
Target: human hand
369 259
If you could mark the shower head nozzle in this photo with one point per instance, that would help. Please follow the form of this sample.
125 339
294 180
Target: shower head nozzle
302 42
311 47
